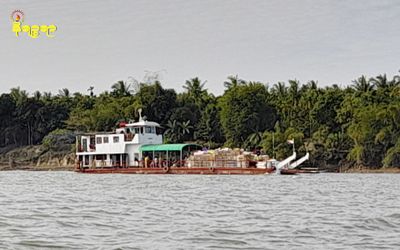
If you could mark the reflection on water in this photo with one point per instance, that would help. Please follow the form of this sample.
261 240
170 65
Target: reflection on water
325 211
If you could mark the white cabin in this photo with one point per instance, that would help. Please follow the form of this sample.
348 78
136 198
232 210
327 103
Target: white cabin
120 148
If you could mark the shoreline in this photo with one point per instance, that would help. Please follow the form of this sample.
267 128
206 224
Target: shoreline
30 168
71 168
372 171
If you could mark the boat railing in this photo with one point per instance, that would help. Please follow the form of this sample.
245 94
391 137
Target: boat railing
119 164
180 164
91 148
199 163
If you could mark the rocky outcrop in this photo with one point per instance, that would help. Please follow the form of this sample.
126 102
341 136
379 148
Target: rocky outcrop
36 157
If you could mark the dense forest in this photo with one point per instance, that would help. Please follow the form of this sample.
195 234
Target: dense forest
358 125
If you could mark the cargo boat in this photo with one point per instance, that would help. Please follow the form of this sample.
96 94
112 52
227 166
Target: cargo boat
137 148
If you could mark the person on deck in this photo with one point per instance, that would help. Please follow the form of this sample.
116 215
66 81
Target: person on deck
155 162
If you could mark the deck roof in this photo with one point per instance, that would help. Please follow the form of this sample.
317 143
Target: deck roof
167 147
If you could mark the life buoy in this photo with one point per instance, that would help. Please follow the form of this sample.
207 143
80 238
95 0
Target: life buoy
165 169
165 164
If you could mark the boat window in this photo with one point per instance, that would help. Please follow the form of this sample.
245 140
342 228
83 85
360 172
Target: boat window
136 131
115 139
148 130
84 144
105 139
92 145
98 140
101 157
152 130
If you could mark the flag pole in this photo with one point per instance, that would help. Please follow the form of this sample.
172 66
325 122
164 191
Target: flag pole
293 146
273 145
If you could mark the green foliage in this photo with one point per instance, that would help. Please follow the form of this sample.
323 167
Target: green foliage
244 111
358 124
209 129
59 139
121 89
156 102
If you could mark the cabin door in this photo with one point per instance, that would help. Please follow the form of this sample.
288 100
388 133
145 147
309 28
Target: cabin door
84 145
115 161
124 161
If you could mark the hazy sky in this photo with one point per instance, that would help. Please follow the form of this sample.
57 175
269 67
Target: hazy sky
101 42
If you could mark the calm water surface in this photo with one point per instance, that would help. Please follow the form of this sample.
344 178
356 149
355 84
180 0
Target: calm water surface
75 211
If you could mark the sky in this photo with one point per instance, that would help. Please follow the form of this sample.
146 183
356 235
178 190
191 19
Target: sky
100 42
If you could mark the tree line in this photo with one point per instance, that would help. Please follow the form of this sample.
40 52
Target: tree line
355 125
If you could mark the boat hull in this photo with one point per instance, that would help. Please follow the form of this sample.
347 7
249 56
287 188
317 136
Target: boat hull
297 171
179 170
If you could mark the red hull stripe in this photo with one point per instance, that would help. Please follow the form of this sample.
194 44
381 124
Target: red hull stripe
172 170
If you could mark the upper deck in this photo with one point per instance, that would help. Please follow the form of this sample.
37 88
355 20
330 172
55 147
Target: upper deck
135 133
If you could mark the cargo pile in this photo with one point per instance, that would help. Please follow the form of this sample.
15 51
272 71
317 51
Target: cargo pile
225 157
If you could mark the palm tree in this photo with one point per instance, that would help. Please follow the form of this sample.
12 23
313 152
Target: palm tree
362 84
280 89
178 131
185 127
172 132
195 87
121 88
37 95
90 89
294 91
46 95
19 96
280 93
233 82
196 92
380 82
389 134
64 93
312 85
254 139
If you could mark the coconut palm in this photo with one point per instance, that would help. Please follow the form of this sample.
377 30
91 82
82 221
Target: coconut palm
380 81
37 95
64 93
294 92
233 82
19 96
121 88
362 84
46 95
280 89
90 89
195 87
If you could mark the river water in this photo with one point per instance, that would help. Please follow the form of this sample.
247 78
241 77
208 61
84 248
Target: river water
66 210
